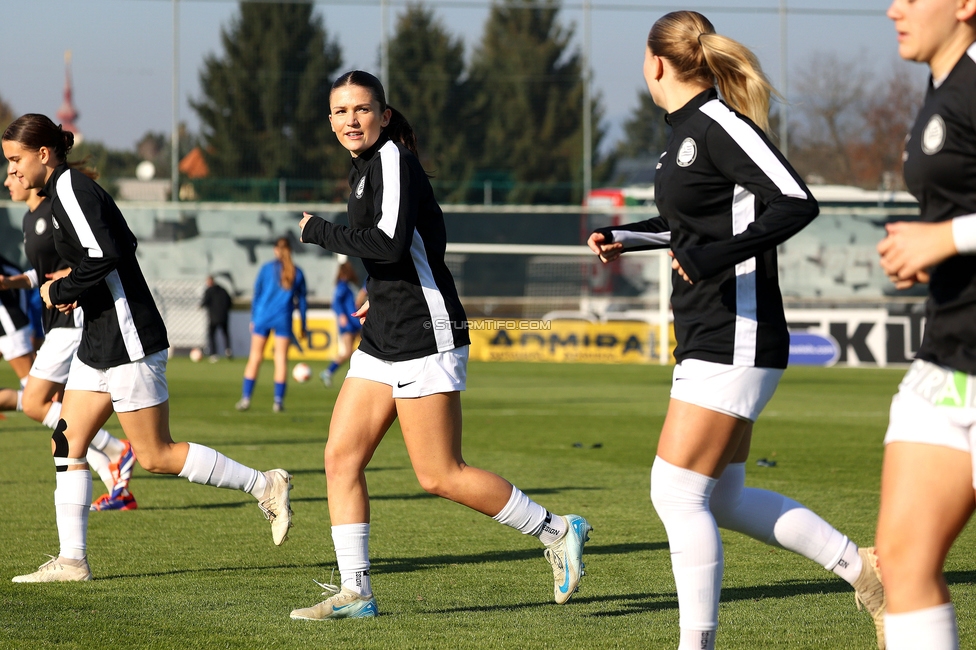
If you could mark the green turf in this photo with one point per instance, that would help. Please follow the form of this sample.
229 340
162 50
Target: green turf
194 567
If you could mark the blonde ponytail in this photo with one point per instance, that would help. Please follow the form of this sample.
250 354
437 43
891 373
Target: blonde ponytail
739 76
688 41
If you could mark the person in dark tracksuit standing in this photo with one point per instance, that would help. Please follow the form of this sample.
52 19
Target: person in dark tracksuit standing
726 198
928 476
120 365
412 362
217 302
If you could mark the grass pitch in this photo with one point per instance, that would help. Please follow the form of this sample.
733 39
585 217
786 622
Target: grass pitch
194 567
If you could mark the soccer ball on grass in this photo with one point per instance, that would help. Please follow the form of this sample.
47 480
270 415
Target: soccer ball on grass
301 372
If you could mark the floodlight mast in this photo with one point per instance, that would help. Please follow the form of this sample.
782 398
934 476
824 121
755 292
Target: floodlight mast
174 142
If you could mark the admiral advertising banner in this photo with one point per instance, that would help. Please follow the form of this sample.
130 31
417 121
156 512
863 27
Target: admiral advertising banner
853 337
563 340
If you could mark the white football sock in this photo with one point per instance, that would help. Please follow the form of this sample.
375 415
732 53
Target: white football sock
933 628
780 521
528 517
52 416
99 462
109 444
207 466
680 497
697 640
72 499
351 543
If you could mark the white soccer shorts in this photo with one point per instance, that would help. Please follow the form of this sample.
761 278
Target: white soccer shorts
444 372
935 406
133 386
739 391
17 344
53 360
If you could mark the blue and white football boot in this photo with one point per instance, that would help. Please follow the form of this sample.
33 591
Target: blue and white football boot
566 557
341 603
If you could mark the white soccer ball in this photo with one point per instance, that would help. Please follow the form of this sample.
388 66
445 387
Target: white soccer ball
196 354
301 373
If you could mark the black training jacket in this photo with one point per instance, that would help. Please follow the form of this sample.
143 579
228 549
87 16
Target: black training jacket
43 257
122 323
13 302
397 228
726 198
940 171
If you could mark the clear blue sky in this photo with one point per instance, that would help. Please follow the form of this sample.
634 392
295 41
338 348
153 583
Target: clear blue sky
123 49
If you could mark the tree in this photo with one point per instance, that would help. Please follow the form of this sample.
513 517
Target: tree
427 85
6 114
528 102
854 123
264 109
646 132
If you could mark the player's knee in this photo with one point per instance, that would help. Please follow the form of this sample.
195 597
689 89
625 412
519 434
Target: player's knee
341 463
435 484
34 407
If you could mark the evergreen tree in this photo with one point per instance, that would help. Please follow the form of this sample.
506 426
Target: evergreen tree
265 100
426 71
6 114
645 132
529 103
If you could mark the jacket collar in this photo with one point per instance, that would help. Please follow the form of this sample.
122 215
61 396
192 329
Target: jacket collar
363 159
676 118
49 187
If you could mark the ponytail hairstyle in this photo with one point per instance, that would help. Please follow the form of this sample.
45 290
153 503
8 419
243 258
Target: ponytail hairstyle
283 250
688 41
398 130
33 131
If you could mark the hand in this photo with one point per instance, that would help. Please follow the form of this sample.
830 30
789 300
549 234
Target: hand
361 313
57 275
910 248
301 224
46 294
676 265
343 321
607 252
67 309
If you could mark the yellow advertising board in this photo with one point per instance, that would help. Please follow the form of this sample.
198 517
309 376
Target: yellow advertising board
563 340
495 339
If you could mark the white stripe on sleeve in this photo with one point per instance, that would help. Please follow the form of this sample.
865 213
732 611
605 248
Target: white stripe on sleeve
633 239
390 166
755 148
127 326
440 318
746 316
70 202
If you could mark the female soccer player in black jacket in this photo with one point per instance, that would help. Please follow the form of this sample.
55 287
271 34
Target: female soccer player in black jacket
726 197
120 365
412 362
928 479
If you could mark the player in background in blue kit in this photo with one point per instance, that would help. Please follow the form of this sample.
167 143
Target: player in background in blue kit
278 290
345 301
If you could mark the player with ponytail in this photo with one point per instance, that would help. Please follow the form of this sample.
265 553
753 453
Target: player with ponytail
726 198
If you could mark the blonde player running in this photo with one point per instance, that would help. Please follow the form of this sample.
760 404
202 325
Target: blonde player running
727 198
